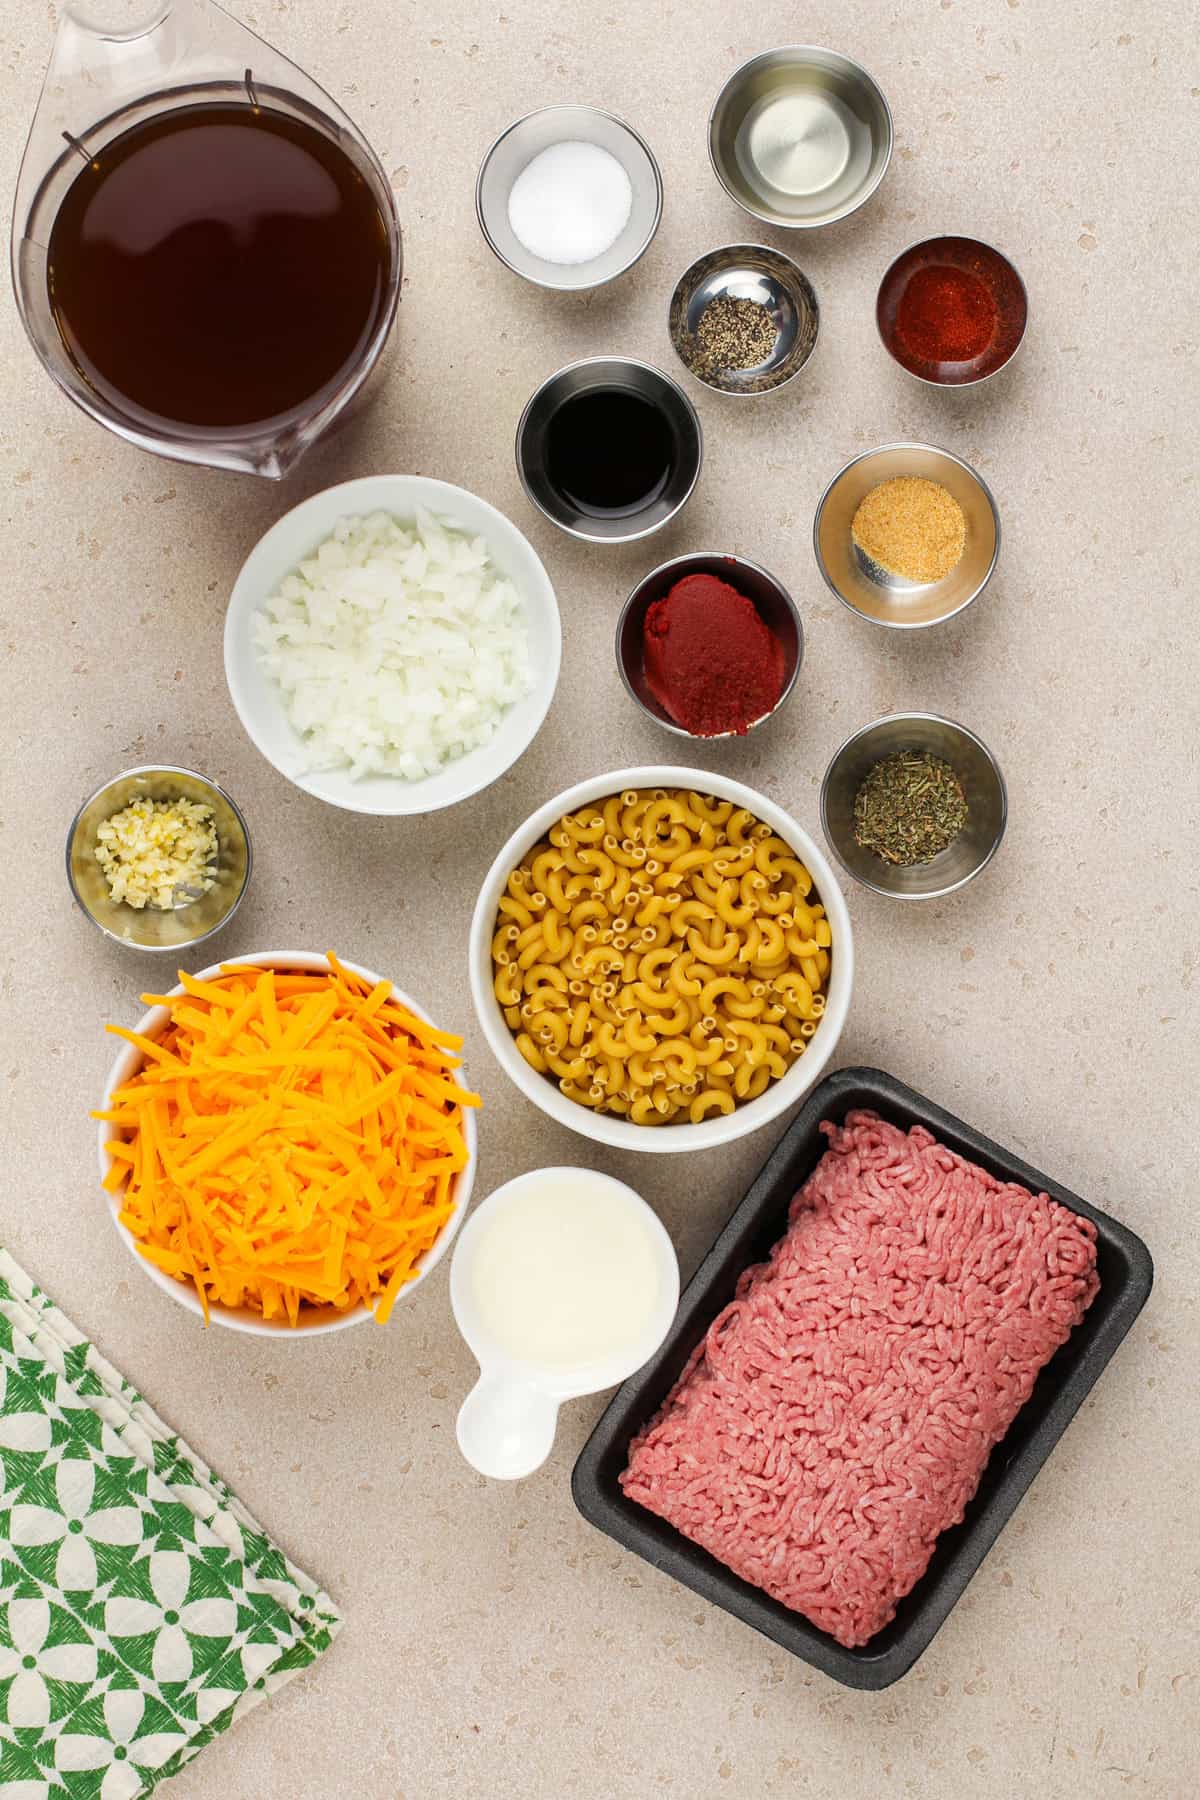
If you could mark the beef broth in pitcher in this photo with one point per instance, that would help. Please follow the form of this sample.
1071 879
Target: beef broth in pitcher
222 266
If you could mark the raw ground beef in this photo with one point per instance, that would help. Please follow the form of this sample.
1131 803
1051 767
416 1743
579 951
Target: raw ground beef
840 1411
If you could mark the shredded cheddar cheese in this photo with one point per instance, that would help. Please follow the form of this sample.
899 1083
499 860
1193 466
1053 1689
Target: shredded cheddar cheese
291 1140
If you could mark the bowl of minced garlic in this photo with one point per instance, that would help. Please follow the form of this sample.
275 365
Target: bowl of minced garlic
158 858
907 535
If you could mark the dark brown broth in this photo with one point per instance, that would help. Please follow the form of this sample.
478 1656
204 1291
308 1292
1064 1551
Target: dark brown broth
220 266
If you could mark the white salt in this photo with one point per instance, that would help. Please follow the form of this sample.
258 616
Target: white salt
571 203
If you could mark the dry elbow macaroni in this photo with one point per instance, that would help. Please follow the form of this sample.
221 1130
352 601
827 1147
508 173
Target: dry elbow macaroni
661 956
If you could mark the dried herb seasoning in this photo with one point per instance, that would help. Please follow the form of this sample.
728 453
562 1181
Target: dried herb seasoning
909 808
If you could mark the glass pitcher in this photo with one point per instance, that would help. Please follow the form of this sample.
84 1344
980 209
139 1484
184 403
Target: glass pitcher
113 92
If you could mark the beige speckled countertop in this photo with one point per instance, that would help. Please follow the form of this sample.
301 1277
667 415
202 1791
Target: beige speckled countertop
494 1643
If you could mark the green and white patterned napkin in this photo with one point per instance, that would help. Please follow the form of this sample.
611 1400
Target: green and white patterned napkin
142 1609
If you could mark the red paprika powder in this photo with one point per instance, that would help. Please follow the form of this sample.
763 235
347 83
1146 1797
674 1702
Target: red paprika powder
945 315
710 661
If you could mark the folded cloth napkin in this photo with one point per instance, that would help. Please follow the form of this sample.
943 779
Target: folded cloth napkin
142 1609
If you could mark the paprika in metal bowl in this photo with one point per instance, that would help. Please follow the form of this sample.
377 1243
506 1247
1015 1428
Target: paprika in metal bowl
952 311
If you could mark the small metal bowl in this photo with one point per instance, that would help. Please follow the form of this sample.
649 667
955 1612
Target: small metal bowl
800 136
773 603
149 929
875 593
983 788
635 377
516 147
748 272
1005 289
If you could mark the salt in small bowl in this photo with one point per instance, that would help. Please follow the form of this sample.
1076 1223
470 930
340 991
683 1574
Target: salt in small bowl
516 148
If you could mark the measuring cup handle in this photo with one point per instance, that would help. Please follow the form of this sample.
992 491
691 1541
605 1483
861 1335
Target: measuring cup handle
140 45
506 1427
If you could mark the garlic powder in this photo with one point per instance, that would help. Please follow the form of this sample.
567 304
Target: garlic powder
151 847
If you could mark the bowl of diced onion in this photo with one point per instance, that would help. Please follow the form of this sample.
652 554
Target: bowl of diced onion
392 644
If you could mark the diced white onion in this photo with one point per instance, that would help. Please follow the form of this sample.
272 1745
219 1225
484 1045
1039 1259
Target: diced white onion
397 648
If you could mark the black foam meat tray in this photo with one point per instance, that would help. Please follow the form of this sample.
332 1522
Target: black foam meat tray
760 1220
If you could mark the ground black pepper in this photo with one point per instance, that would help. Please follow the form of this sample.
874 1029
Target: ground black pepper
731 335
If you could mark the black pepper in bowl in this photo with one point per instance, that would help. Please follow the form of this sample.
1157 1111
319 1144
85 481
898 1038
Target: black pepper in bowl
732 335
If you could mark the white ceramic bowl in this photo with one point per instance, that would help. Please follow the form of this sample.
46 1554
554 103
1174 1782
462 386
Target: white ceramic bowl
314 1322
257 699
604 1128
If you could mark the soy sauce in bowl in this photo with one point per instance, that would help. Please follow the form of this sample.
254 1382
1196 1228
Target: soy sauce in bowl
609 449
609 453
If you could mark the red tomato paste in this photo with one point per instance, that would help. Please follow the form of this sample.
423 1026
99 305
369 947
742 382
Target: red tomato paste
710 661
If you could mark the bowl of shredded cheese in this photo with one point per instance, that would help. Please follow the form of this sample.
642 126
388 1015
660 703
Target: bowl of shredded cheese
286 1143
159 858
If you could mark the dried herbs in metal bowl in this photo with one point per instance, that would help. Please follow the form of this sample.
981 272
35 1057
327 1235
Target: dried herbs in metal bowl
909 808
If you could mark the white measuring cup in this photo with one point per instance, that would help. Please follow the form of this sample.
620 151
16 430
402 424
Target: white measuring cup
507 1422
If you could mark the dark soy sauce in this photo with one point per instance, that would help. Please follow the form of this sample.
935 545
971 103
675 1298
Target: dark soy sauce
609 452
221 266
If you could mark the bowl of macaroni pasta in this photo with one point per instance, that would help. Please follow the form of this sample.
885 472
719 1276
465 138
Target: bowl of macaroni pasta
661 959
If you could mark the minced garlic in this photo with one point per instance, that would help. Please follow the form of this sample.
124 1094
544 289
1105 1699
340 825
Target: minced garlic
152 847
